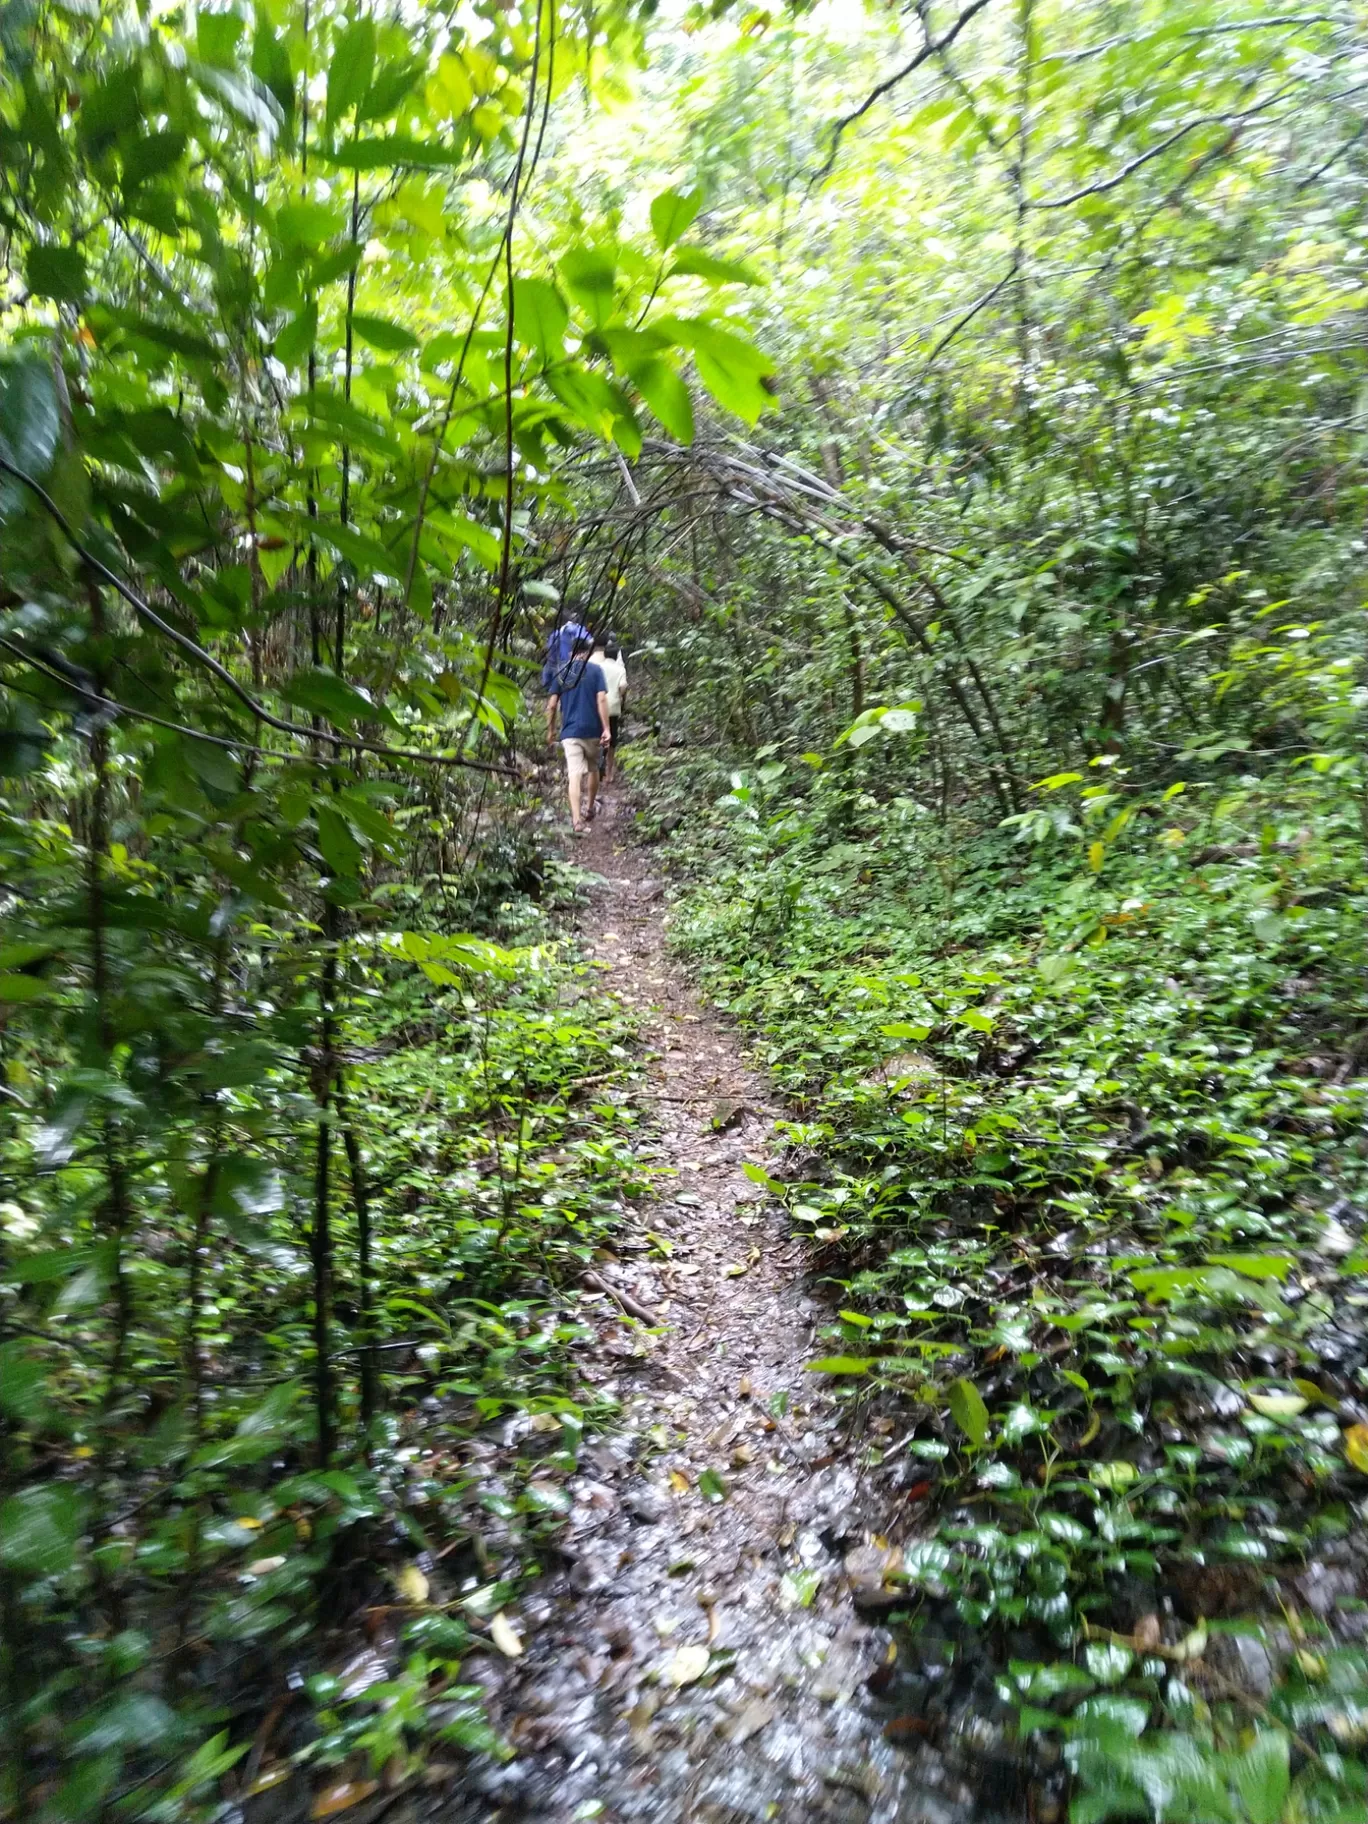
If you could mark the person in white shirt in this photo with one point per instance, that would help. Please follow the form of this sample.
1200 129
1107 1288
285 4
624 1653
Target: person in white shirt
608 657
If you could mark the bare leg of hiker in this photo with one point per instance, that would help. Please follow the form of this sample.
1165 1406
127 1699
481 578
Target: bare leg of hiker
591 780
575 770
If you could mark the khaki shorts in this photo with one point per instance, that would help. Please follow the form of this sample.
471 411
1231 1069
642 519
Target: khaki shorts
581 756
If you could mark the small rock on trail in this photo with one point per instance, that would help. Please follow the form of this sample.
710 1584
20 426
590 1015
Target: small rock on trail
699 1658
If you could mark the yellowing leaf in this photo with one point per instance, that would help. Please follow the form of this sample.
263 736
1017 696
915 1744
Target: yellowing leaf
248 1523
342 1797
679 1482
1113 1476
1356 1447
1097 854
411 1584
1278 1405
688 1666
505 1636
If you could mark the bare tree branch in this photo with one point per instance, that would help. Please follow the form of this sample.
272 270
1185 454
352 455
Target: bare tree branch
931 48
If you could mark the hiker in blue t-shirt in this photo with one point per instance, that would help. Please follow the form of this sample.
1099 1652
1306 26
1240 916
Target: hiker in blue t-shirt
579 687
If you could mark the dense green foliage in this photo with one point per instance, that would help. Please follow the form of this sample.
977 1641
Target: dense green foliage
285 363
1019 654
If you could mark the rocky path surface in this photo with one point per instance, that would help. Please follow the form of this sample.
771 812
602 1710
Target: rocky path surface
698 1659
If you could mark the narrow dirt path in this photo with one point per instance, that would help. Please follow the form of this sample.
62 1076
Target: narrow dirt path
699 1660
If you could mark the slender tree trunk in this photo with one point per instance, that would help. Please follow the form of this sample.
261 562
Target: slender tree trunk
365 1290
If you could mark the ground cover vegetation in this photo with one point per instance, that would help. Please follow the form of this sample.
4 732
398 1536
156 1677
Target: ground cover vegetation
1006 678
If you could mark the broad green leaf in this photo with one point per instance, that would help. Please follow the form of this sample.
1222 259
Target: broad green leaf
695 263
394 151
673 213
975 1019
39 1530
969 1412
1256 1266
539 316
341 850
668 397
271 63
152 157
381 333
589 275
15 989
841 1364
324 693
389 86
299 335
307 224
217 35
733 369
56 272
350 68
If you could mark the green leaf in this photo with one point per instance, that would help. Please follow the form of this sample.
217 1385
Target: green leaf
341 850
217 35
1256 1266
668 397
294 341
128 1719
351 68
39 1530
589 275
540 316
56 272
29 423
693 262
1263 1777
304 224
271 63
673 213
17 989
389 85
969 1412
901 1030
841 1364
152 157
975 1019
380 333
758 1175
711 1486
733 369
324 693
393 151
22 1383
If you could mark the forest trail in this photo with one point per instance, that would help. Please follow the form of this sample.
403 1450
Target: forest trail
698 1660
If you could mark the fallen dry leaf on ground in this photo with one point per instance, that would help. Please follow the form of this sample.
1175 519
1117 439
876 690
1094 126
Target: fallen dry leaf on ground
688 1666
505 1636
